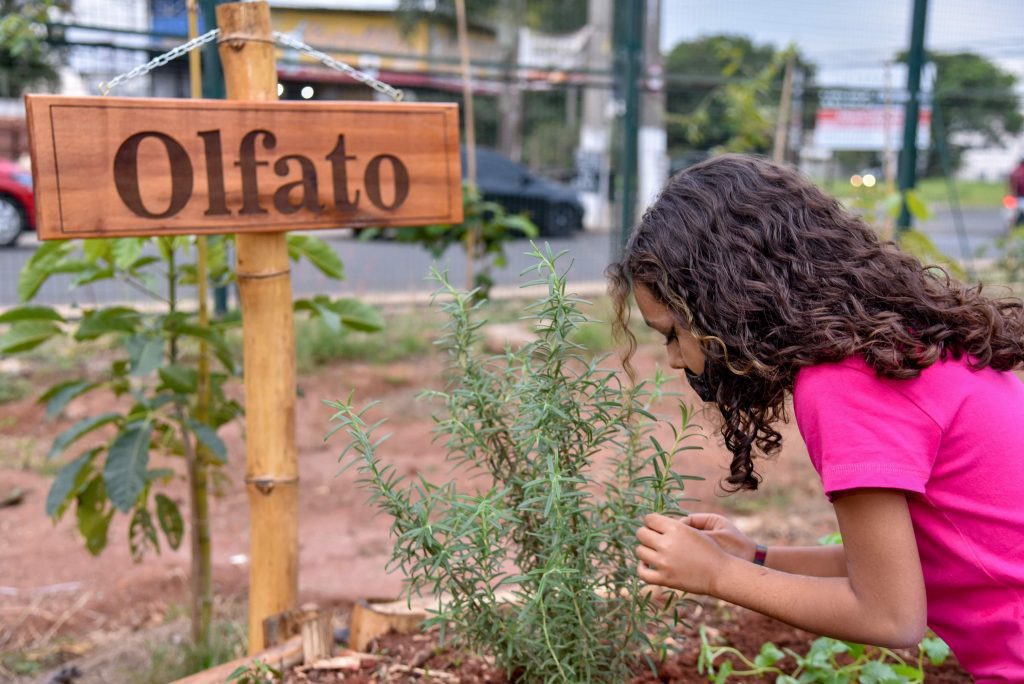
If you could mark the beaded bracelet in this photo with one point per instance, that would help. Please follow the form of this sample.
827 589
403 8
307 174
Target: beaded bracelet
760 554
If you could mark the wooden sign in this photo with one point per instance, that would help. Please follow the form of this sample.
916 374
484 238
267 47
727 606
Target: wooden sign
116 167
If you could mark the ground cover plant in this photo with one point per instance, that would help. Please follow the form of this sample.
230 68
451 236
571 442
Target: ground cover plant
537 568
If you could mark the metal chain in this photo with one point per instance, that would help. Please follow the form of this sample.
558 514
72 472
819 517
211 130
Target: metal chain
357 75
160 60
284 39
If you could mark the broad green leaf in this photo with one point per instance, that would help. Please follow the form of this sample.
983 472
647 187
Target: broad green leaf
79 430
115 319
31 313
145 353
769 655
936 650
220 346
875 672
358 315
40 267
209 438
26 335
319 307
916 206
126 251
142 533
179 379
91 275
60 395
169 516
93 523
69 482
125 470
96 249
318 252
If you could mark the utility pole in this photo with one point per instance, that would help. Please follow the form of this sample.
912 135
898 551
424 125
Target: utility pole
592 159
653 145
630 68
908 155
510 99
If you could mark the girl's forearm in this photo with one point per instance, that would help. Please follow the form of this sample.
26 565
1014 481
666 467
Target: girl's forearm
816 561
822 605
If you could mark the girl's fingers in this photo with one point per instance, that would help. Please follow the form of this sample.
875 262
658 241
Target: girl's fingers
648 575
647 555
702 521
647 536
658 522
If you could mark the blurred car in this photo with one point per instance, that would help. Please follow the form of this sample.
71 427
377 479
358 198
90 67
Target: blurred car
554 208
17 205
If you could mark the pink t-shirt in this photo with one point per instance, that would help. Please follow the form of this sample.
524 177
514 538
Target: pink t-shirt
953 439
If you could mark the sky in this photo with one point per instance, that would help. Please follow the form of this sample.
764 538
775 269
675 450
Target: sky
850 40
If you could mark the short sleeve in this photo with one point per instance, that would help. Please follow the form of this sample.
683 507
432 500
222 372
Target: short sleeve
862 431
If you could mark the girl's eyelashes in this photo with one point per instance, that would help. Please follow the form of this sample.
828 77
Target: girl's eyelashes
670 337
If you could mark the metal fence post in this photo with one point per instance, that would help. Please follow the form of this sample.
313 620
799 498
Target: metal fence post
908 155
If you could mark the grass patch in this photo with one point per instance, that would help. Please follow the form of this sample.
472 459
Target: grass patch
405 335
170 662
972 194
13 388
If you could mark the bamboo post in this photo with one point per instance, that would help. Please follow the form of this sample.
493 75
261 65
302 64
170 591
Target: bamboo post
264 283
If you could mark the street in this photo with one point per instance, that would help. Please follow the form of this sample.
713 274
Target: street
379 267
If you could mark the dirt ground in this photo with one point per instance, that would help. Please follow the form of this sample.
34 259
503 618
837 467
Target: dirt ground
52 592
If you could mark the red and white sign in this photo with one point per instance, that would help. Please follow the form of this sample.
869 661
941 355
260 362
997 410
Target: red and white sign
868 128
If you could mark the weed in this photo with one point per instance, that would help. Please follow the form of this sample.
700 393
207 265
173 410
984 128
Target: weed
256 672
827 661
539 569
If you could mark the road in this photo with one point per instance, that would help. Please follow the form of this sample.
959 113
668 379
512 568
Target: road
380 267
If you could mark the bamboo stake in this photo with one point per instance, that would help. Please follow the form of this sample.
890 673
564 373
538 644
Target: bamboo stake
271 475
198 467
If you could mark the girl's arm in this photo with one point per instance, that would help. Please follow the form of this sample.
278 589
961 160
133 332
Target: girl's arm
881 600
818 561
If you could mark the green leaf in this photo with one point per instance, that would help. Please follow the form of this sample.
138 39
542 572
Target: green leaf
916 206
26 335
875 672
724 672
60 395
125 470
358 315
169 516
318 252
769 655
96 249
146 353
935 649
93 523
126 250
79 430
142 533
115 319
31 313
69 482
40 267
179 379
209 438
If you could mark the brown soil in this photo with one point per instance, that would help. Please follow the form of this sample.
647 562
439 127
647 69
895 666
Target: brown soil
53 594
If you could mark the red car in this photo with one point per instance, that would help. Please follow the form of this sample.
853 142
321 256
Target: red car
17 205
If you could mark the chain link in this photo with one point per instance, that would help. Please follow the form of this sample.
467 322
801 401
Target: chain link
283 39
160 60
355 74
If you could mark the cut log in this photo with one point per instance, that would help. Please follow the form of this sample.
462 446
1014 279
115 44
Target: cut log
372 619
281 657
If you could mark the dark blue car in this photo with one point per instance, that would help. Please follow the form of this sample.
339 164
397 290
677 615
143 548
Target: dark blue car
554 208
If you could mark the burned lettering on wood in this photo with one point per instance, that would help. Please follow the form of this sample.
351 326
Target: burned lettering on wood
237 167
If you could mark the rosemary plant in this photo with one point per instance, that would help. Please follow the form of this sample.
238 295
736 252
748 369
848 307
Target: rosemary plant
537 570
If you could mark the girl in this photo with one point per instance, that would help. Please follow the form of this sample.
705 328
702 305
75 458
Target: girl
903 389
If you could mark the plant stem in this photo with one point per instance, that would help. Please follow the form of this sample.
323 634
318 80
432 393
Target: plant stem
202 569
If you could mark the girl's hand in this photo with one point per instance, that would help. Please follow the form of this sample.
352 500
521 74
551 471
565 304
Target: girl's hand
724 533
676 555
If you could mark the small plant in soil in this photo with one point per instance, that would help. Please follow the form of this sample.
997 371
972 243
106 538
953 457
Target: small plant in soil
256 672
537 569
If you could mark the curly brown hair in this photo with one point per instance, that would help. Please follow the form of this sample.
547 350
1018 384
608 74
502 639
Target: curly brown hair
772 275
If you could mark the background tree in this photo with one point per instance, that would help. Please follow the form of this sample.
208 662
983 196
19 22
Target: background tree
26 59
721 90
979 106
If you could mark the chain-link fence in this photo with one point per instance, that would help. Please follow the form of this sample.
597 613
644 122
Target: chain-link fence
822 86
